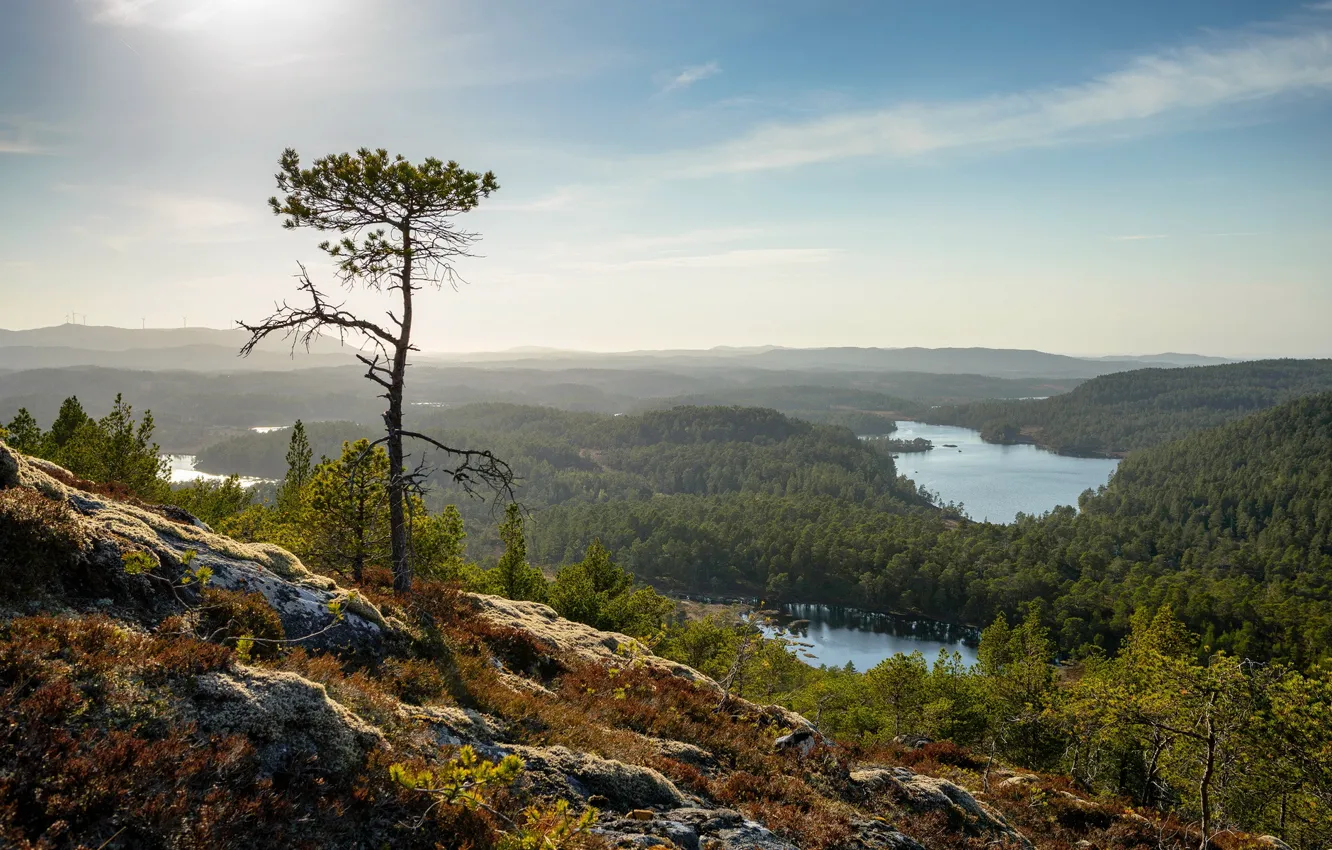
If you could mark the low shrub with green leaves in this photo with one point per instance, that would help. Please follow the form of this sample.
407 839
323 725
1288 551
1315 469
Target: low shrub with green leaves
229 616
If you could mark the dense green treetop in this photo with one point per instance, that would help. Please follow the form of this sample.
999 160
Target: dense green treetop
1231 528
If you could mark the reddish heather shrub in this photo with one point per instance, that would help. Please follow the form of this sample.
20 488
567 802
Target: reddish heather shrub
684 775
39 540
936 831
811 828
380 578
95 752
112 489
942 752
414 681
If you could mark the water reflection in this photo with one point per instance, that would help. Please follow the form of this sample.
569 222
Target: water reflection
834 635
183 472
996 483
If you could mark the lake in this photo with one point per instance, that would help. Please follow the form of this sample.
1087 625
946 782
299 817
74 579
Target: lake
183 472
833 635
994 482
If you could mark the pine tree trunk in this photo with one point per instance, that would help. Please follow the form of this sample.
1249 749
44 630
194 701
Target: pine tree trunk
402 565
1205 784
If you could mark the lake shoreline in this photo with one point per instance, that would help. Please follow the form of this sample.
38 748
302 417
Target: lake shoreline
729 601
995 482
1023 439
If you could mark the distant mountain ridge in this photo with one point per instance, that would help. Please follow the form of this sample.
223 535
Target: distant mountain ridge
193 349
109 338
992 362
212 349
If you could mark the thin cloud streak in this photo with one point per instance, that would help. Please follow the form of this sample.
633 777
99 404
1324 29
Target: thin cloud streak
16 136
142 216
1187 81
737 259
14 146
691 75
708 236
150 13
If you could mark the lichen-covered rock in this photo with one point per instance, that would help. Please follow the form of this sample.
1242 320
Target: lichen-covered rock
686 753
572 639
455 727
877 835
703 828
9 469
303 600
584 643
291 720
559 772
921 793
801 741
691 828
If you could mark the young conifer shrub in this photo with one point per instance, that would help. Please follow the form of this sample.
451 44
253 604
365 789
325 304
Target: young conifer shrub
230 616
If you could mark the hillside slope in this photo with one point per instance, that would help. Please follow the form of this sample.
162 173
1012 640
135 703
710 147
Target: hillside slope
145 702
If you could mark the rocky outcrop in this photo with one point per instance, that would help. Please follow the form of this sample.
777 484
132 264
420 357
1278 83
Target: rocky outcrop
451 726
291 720
920 793
574 640
703 828
304 602
296 727
559 772
691 828
580 642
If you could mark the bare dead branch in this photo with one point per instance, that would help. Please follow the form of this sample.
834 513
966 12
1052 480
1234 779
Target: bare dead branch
477 467
302 325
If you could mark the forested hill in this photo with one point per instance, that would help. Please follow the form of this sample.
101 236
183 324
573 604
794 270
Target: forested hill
563 457
1231 527
863 411
1114 414
1264 482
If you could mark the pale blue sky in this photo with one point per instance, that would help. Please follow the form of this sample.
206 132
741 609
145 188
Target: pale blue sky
1074 176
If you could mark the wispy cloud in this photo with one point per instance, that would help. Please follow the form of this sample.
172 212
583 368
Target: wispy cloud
690 238
559 200
12 145
737 259
1145 94
19 137
693 74
139 13
191 14
127 218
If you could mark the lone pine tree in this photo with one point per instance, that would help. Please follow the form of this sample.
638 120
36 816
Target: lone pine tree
397 234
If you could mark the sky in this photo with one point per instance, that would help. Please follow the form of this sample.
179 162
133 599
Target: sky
1080 177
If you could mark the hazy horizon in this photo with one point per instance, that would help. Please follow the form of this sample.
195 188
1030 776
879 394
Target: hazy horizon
1089 180
538 350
